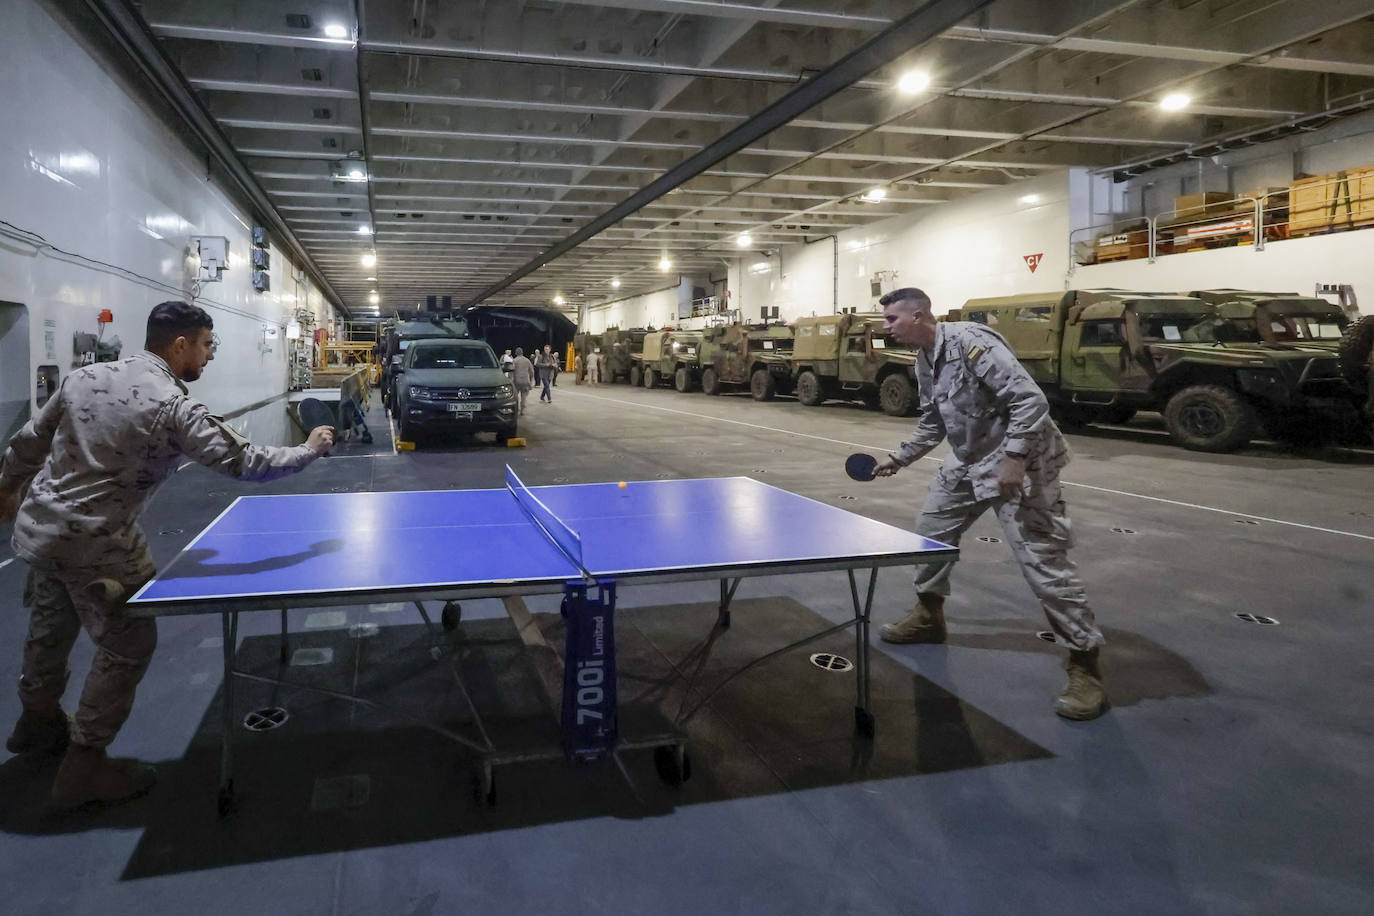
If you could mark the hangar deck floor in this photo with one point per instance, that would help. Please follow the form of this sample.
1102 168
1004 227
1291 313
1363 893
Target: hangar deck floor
1231 776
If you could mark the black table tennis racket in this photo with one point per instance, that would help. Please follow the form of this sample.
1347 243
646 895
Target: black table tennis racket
859 466
314 413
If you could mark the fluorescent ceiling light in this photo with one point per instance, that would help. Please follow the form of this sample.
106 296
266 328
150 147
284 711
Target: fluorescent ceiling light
1029 199
374 298
744 240
369 259
356 174
913 81
364 230
875 194
334 30
1175 101
615 283
665 265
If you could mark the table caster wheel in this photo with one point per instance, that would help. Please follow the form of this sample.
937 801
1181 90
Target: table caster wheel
864 723
452 614
673 763
225 803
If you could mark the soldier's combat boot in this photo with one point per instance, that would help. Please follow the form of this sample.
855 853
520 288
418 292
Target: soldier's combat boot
87 775
925 623
1084 696
37 732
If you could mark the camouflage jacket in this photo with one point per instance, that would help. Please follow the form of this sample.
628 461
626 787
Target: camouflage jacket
975 393
99 449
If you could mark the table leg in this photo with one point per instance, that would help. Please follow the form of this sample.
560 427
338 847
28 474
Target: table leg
285 647
863 715
727 594
229 626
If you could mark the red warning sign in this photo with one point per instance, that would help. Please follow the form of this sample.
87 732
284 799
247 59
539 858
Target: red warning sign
1033 260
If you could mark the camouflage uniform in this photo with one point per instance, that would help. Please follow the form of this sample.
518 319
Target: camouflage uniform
91 459
976 394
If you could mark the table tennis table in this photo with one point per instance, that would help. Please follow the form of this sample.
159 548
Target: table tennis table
277 552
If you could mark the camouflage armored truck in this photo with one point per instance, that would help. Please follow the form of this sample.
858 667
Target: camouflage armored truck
617 352
584 344
1279 319
668 355
759 356
851 357
1100 355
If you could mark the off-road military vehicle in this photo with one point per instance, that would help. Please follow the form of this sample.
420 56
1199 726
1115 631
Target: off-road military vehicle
1280 319
758 356
617 352
851 357
668 356
584 344
1100 355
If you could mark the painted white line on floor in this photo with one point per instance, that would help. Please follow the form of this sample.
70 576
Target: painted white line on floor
1083 486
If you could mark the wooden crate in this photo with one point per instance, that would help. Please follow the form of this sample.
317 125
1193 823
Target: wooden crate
1309 205
1122 246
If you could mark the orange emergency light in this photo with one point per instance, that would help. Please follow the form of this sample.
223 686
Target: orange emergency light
106 316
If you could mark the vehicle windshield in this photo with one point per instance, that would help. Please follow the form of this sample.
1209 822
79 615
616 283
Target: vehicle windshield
1305 327
456 356
1182 327
1224 330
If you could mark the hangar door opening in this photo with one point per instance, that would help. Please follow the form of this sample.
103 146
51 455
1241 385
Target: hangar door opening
15 382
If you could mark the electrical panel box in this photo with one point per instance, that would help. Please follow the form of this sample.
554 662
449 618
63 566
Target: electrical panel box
262 258
259 237
262 281
214 252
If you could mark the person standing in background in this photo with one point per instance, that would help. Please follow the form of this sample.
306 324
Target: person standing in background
545 366
522 375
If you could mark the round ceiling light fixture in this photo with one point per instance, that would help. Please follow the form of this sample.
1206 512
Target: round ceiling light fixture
1175 101
913 81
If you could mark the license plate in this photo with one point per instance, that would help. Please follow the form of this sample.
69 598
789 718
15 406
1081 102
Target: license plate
464 407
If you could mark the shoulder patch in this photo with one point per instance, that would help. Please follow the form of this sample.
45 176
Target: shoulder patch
973 353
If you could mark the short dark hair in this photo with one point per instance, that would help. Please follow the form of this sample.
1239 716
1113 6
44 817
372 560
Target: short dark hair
519 351
170 320
906 292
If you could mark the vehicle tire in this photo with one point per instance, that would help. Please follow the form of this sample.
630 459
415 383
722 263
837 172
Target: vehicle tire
1069 416
897 395
682 380
650 378
406 431
504 435
710 382
762 386
1354 350
809 389
636 377
1209 418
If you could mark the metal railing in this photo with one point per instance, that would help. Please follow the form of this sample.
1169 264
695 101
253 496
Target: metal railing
1308 207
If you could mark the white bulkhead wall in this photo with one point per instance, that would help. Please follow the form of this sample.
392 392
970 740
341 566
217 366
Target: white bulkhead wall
87 167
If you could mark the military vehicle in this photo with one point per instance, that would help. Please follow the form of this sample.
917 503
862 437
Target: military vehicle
1280 319
584 344
759 356
851 357
1100 355
618 348
1356 350
668 356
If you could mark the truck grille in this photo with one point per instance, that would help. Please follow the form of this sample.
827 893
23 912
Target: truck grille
473 394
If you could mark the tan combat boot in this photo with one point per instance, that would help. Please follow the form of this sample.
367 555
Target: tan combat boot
87 775
39 732
925 623
1083 697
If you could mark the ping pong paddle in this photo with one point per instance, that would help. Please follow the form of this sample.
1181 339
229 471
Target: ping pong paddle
859 466
313 413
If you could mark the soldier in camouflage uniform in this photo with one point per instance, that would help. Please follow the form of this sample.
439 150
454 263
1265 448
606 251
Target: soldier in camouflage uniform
79 475
1006 456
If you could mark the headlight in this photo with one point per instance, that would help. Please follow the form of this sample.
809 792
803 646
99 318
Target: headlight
505 391
421 394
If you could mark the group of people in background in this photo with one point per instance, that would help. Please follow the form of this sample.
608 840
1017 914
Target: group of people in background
525 374
591 367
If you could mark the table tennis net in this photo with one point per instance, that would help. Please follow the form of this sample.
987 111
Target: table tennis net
563 537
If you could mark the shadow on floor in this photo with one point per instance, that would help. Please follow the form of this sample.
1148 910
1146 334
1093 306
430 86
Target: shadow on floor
337 776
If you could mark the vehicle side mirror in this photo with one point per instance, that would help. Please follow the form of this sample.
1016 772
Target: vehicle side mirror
398 369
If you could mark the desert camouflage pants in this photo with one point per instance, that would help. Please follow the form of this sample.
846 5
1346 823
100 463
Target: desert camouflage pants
1037 528
61 602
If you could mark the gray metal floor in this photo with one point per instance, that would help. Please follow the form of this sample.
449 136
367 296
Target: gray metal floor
1232 775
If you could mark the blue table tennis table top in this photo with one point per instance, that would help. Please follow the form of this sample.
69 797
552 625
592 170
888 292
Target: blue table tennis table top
279 550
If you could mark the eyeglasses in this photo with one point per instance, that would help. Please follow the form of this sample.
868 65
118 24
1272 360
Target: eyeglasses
214 342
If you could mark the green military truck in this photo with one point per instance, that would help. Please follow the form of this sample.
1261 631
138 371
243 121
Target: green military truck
618 348
757 356
850 357
668 356
1100 355
1276 319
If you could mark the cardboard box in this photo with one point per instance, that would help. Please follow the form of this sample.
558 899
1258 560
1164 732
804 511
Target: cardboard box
1204 202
